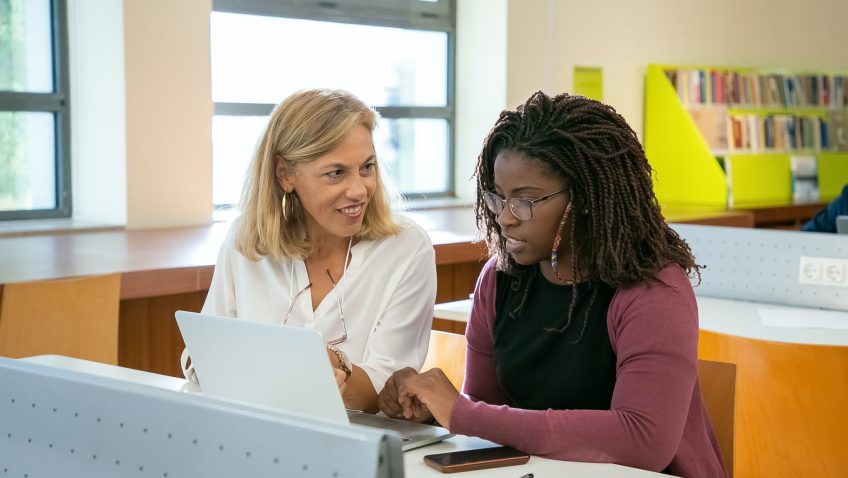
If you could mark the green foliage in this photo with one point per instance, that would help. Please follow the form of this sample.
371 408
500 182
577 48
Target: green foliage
14 168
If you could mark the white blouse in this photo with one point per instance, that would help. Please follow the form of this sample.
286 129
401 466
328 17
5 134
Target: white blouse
388 292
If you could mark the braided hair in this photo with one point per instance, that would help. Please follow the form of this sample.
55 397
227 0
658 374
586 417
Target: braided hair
617 233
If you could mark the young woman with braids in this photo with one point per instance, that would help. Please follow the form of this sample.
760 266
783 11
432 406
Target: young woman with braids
582 338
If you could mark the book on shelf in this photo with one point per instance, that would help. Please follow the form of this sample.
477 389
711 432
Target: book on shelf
712 122
756 133
760 89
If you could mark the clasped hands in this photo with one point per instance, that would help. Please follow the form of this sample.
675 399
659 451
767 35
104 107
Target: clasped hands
419 397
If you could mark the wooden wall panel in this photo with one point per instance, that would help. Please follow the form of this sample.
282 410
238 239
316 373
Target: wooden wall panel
445 279
791 414
148 336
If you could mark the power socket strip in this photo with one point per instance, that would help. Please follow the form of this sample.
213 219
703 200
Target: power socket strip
823 271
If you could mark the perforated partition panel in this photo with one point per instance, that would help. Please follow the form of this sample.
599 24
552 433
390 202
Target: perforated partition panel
59 423
763 265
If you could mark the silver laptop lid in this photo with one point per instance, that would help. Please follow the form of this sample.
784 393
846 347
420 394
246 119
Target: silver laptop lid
412 435
267 364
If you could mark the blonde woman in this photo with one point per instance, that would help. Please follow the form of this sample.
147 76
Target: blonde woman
318 246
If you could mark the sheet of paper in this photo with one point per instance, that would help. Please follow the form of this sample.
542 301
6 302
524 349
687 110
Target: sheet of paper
803 318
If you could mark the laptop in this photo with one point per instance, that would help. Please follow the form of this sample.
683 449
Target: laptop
842 224
281 367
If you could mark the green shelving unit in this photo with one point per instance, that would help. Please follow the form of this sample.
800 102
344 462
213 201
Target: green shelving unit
691 171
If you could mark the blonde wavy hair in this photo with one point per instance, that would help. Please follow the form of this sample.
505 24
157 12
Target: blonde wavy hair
304 127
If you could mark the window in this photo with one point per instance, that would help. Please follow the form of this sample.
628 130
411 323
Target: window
395 55
34 131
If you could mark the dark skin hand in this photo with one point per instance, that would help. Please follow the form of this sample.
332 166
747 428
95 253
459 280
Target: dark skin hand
390 404
419 396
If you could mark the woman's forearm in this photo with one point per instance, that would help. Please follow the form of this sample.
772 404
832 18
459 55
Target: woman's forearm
359 393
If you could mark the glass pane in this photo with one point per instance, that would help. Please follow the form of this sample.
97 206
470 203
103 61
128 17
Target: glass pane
26 51
234 140
415 153
27 161
412 151
259 59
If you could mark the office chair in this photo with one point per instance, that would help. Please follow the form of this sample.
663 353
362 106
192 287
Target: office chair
74 317
447 352
718 388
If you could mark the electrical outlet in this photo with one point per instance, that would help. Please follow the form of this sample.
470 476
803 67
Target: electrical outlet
834 272
823 271
810 271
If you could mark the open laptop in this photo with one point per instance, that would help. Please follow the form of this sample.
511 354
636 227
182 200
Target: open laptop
842 224
281 367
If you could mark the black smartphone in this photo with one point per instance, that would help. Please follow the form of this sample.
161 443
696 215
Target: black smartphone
479 459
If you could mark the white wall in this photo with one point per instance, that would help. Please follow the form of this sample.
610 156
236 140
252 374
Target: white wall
98 115
624 36
480 82
141 111
169 112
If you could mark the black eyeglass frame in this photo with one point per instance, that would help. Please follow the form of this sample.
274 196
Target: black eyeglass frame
513 203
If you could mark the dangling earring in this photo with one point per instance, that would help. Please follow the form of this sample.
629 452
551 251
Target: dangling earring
283 203
557 240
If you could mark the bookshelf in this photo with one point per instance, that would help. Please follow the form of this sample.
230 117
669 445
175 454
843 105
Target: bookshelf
745 137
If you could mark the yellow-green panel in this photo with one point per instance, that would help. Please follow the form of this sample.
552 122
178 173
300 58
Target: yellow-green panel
686 172
589 82
833 174
759 179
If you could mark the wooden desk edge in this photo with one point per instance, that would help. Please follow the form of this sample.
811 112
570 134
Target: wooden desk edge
179 280
158 282
734 219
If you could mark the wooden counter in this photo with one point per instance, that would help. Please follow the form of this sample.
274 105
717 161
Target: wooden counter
791 389
784 215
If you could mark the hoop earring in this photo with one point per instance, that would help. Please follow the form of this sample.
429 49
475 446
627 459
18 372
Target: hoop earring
283 203
557 240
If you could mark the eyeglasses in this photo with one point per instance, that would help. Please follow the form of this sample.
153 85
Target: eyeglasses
521 208
338 301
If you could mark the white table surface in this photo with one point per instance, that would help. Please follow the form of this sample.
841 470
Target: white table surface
414 466
734 317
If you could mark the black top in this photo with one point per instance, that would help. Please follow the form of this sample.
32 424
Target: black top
540 369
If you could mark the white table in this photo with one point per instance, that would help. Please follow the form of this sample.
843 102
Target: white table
414 466
738 318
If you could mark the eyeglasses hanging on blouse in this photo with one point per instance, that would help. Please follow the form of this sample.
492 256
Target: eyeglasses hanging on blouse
339 297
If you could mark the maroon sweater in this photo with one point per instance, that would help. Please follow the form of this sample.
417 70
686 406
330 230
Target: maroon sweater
657 417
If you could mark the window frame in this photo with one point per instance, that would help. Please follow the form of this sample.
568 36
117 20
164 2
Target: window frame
437 16
56 102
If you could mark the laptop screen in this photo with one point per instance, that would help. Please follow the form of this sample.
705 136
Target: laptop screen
266 364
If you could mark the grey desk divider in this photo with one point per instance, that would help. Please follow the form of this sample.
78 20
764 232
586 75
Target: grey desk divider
56 422
763 265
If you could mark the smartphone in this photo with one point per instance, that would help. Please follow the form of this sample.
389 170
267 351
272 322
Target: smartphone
479 459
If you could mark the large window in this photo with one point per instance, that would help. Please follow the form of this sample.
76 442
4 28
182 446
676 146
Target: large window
34 130
395 55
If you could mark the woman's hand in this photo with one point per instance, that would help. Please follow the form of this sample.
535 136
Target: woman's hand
388 398
338 372
431 391
356 388
341 380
